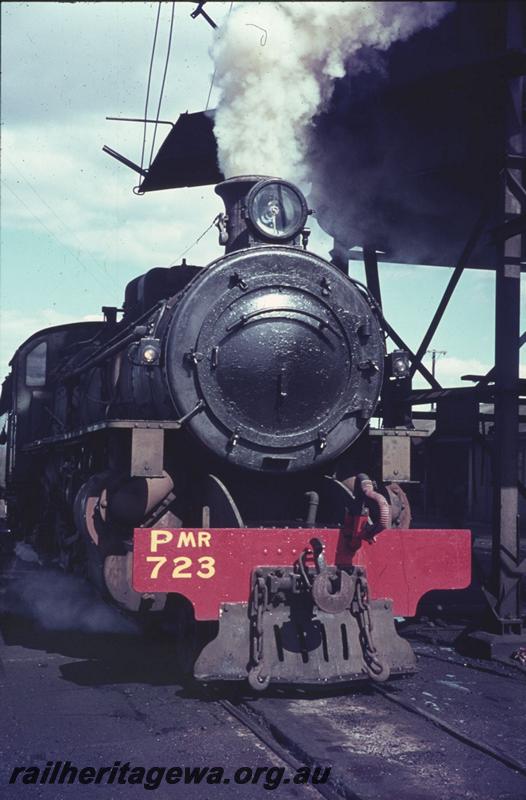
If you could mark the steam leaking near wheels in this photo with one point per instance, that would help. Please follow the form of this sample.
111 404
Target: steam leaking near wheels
45 595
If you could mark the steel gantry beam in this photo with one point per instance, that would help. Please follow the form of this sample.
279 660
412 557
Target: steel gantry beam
507 346
469 247
507 630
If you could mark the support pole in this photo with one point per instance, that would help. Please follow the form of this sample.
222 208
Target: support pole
452 285
370 260
507 333
340 258
507 631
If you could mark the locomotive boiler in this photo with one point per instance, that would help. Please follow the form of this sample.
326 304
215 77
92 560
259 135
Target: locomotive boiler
198 457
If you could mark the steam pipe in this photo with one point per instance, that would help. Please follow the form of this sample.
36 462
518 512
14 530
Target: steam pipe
373 498
140 330
313 500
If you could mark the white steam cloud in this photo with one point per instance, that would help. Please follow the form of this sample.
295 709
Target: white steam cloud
56 601
276 64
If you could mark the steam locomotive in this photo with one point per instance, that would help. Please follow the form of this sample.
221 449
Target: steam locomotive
199 456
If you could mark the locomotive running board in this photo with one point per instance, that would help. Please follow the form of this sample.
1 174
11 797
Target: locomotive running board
321 650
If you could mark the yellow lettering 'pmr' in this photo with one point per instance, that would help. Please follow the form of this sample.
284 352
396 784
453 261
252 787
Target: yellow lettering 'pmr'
186 539
159 537
190 539
203 538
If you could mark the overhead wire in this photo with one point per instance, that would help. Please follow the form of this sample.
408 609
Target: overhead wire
53 235
196 241
215 68
149 84
143 148
206 108
210 90
59 218
168 49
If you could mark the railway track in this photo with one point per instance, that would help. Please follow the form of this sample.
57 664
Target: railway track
375 739
477 744
291 754
511 671
276 734
482 754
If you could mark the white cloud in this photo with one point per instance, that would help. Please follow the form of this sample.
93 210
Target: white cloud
84 199
450 369
64 58
65 66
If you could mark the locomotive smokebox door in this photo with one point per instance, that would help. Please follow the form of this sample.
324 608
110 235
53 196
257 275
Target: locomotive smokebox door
281 355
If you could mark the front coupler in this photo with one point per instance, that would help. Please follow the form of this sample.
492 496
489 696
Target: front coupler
306 625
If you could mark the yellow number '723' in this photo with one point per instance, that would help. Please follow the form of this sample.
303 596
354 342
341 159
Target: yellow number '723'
182 565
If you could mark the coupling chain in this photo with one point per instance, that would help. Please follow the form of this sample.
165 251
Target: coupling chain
258 676
377 669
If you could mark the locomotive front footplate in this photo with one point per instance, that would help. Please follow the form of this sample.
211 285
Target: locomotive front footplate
299 605
293 640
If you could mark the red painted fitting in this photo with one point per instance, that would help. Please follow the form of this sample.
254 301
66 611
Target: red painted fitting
384 509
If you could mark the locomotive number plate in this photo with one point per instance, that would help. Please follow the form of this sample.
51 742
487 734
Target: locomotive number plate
167 556
213 567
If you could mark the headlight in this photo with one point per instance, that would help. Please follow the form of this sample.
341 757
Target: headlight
277 209
148 351
399 363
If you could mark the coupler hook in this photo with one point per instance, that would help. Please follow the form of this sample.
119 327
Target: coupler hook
324 593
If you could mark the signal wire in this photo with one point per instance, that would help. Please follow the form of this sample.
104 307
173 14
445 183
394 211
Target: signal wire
169 47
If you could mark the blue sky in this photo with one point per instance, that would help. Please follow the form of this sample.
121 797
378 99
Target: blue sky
73 233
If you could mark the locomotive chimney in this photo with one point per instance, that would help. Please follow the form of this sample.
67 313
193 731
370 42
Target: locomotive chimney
233 193
241 227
